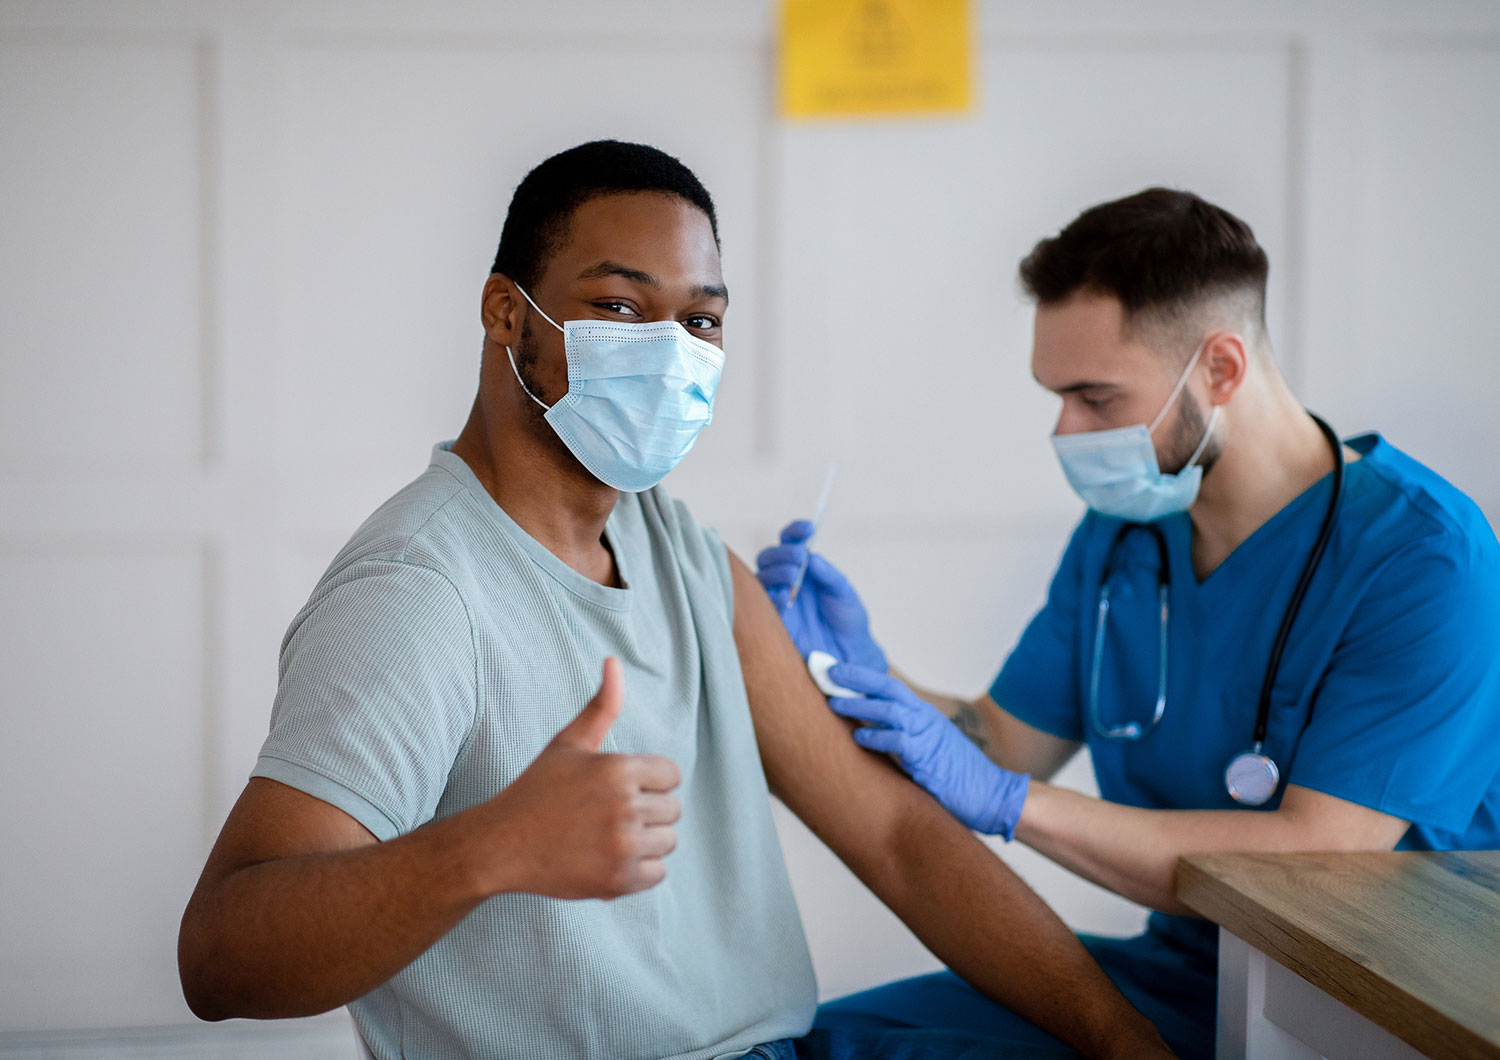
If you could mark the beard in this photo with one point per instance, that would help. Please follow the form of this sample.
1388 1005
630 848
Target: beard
1185 435
526 361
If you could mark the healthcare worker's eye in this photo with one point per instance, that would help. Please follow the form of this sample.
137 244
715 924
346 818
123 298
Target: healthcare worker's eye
617 308
701 322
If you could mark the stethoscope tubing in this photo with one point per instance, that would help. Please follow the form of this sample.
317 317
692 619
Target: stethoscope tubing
1134 730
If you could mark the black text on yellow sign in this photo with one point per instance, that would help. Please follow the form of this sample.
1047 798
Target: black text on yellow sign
873 57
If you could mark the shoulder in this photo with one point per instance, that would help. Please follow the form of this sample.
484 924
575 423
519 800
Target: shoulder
378 606
441 523
698 549
1414 514
402 573
1411 489
408 525
1420 564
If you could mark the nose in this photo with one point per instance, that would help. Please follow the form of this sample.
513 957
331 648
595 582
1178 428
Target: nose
1070 420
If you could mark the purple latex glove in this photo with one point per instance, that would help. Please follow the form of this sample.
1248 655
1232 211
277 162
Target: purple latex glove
932 750
827 614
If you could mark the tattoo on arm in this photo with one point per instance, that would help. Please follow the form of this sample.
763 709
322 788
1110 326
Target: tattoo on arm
971 725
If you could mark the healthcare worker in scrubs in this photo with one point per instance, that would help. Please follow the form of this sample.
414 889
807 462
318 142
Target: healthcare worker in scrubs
1268 640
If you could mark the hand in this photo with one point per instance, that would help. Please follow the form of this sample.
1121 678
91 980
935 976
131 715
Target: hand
596 825
827 614
932 750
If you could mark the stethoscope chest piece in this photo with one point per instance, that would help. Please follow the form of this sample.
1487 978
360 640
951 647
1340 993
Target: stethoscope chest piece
1251 778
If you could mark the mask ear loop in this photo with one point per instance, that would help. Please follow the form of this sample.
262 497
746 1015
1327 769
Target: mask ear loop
512 356
526 388
545 317
1208 433
1171 398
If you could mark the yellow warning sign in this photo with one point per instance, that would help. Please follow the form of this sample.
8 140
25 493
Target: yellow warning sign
846 57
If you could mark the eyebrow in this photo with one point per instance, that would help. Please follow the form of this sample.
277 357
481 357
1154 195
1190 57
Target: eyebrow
645 279
1073 388
614 268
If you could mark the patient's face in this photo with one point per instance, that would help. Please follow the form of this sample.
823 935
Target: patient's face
629 257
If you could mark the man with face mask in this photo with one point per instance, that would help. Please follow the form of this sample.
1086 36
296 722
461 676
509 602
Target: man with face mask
1269 640
457 828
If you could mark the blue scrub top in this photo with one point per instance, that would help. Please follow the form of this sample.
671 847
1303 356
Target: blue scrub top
1388 693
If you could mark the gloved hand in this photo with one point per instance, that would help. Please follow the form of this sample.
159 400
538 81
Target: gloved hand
932 750
827 614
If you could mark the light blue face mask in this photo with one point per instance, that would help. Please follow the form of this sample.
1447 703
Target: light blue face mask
1116 473
638 394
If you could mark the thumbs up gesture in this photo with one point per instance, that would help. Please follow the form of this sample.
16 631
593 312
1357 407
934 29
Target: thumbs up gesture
587 824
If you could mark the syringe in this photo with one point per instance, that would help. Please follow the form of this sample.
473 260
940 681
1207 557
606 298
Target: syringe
817 521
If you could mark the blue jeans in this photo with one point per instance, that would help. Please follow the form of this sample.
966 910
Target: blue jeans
899 1043
1174 986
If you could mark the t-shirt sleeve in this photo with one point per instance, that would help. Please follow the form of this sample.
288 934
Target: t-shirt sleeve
1038 682
377 697
1405 719
699 547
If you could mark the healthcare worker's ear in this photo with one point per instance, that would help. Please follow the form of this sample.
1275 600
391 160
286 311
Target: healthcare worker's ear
500 310
1226 358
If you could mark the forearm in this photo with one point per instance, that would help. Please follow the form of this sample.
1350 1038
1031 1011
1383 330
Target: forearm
972 721
983 922
301 935
1129 851
1134 852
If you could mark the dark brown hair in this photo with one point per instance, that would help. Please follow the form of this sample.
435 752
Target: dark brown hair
1160 252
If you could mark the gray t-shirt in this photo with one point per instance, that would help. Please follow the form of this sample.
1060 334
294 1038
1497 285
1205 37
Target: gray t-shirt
440 652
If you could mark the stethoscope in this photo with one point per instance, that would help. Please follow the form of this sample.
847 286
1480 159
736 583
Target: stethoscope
1251 776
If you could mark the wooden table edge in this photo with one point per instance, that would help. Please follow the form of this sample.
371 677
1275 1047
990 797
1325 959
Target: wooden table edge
1375 998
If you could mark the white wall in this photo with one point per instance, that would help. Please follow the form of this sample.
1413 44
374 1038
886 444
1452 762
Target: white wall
242 246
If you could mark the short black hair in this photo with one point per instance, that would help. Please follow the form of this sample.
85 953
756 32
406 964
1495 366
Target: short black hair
1161 252
542 207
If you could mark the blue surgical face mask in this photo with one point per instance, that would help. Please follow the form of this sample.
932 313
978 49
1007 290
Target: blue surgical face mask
1116 473
638 394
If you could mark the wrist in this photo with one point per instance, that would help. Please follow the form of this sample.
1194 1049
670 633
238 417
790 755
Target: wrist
1110 1028
1008 792
487 853
1134 1039
1032 824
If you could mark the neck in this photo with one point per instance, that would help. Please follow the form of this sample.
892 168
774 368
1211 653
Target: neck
1272 452
540 485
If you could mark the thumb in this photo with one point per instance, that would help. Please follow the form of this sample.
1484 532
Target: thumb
797 531
587 731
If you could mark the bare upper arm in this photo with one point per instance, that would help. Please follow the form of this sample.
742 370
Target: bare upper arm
271 820
849 797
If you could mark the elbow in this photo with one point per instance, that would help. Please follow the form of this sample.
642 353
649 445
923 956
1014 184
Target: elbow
196 973
199 997
1167 902
197 990
203 1007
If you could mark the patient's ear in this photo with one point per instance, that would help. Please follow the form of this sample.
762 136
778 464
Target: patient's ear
499 309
